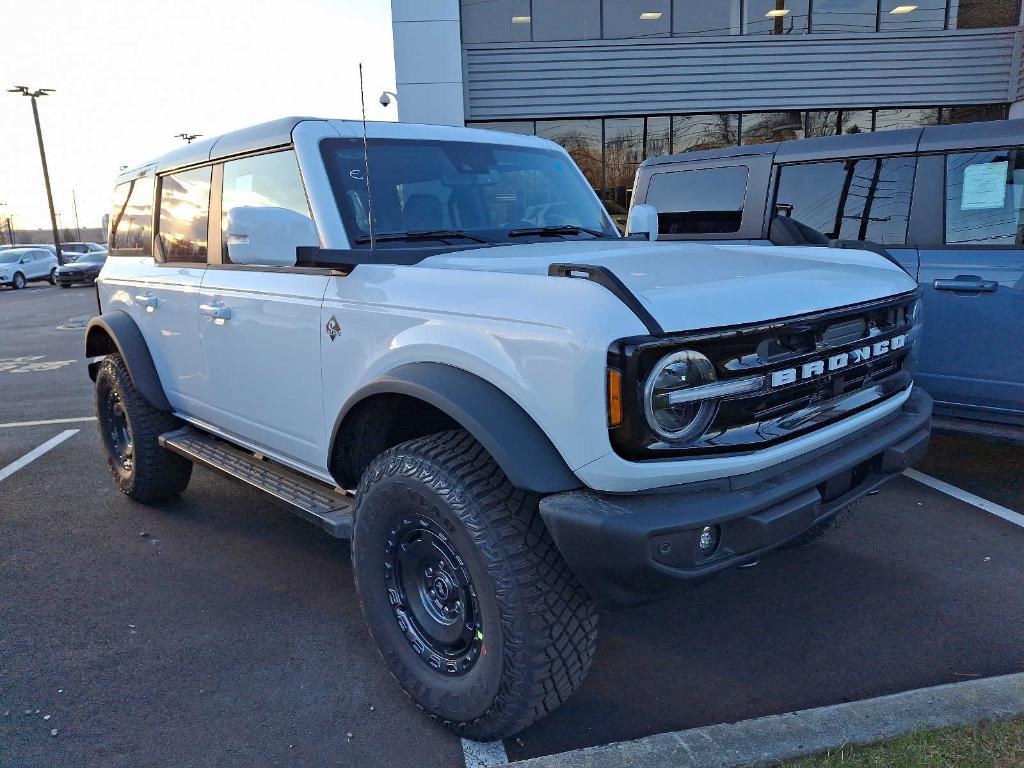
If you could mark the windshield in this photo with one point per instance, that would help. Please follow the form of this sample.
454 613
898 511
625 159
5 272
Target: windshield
441 190
10 257
91 258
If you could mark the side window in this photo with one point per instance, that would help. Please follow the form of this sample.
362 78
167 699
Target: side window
699 202
985 198
131 220
184 216
265 215
866 199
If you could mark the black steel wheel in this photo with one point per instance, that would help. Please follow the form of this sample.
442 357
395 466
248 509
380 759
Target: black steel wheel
472 607
129 427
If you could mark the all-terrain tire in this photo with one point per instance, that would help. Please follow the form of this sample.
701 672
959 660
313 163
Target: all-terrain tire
129 427
817 532
538 625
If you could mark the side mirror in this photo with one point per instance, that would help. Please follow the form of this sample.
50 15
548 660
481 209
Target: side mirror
267 236
643 220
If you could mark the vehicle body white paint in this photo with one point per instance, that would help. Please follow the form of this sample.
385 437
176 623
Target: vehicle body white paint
271 379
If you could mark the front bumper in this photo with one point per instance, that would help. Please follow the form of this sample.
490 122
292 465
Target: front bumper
628 549
76 278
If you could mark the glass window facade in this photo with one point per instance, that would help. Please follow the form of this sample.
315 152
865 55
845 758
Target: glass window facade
566 19
495 21
844 15
636 18
609 150
705 17
776 17
915 16
982 14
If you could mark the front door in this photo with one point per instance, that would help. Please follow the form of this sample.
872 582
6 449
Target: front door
973 289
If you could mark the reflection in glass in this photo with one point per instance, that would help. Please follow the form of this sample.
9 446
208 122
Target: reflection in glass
691 133
623 152
985 198
851 200
982 14
844 16
822 123
131 220
763 127
581 139
776 17
184 215
566 19
857 121
974 113
509 126
706 17
909 117
912 15
495 21
659 136
636 18
700 202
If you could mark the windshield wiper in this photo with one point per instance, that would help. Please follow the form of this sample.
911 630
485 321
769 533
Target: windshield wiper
422 234
560 229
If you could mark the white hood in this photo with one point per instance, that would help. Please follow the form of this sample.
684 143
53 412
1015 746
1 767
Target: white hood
687 286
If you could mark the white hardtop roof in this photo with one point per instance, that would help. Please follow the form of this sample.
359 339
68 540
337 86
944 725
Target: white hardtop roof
278 133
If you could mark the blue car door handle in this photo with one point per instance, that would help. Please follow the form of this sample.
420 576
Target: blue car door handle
966 284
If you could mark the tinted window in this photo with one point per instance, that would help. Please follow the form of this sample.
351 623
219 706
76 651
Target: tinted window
705 17
265 181
763 127
566 19
131 220
659 137
979 14
636 18
857 121
973 114
985 198
824 123
910 117
844 15
776 17
850 200
581 139
704 201
900 15
184 216
495 21
691 133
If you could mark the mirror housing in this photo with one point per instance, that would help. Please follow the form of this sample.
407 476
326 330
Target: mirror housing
267 236
643 220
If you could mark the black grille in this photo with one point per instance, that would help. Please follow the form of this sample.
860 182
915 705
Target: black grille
785 409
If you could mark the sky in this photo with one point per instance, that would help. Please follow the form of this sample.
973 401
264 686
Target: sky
130 74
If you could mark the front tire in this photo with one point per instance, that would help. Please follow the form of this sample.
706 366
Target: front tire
129 427
18 282
53 276
473 609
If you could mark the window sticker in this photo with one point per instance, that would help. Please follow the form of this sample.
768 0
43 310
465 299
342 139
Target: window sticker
984 186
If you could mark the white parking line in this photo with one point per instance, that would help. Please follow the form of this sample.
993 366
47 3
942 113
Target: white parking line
484 754
34 454
44 422
958 493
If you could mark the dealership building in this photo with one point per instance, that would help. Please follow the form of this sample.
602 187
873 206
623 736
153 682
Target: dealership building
616 81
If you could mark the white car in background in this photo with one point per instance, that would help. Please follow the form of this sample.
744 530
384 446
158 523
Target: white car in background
19 266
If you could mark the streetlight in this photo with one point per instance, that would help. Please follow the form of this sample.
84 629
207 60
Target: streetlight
26 91
188 138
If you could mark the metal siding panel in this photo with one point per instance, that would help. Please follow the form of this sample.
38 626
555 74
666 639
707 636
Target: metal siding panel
621 77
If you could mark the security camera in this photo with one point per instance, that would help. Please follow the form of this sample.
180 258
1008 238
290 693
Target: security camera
385 100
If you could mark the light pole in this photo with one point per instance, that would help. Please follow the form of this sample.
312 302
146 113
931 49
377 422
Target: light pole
25 91
188 138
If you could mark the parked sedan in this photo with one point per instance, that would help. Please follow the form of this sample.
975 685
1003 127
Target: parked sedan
83 271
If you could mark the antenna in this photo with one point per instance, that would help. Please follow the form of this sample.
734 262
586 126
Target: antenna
366 158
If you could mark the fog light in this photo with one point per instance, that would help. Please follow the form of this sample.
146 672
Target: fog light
708 541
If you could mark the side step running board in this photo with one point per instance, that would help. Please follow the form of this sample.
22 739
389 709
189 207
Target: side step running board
312 500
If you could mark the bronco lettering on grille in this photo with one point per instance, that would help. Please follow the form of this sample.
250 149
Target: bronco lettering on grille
839 361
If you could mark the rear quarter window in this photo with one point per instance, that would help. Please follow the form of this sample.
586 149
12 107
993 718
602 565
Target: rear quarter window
699 202
131 220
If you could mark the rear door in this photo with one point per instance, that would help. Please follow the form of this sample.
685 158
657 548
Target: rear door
259 315
973 286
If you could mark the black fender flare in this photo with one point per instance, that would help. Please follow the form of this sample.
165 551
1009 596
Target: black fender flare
129 342
509 434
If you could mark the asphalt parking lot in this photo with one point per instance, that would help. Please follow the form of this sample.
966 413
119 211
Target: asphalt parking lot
220 630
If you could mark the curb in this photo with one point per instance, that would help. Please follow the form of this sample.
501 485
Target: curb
810 731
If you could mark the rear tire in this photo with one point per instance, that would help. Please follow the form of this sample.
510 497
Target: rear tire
472 607
129 427
18 282
53 276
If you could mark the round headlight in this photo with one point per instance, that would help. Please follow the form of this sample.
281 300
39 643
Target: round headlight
685 420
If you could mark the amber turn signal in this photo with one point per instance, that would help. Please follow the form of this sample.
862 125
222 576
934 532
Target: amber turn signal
614 398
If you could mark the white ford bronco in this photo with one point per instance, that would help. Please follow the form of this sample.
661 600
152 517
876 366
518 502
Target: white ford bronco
434 342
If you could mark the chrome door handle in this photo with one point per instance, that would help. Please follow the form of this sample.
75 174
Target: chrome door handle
216 311
966 285
149 302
